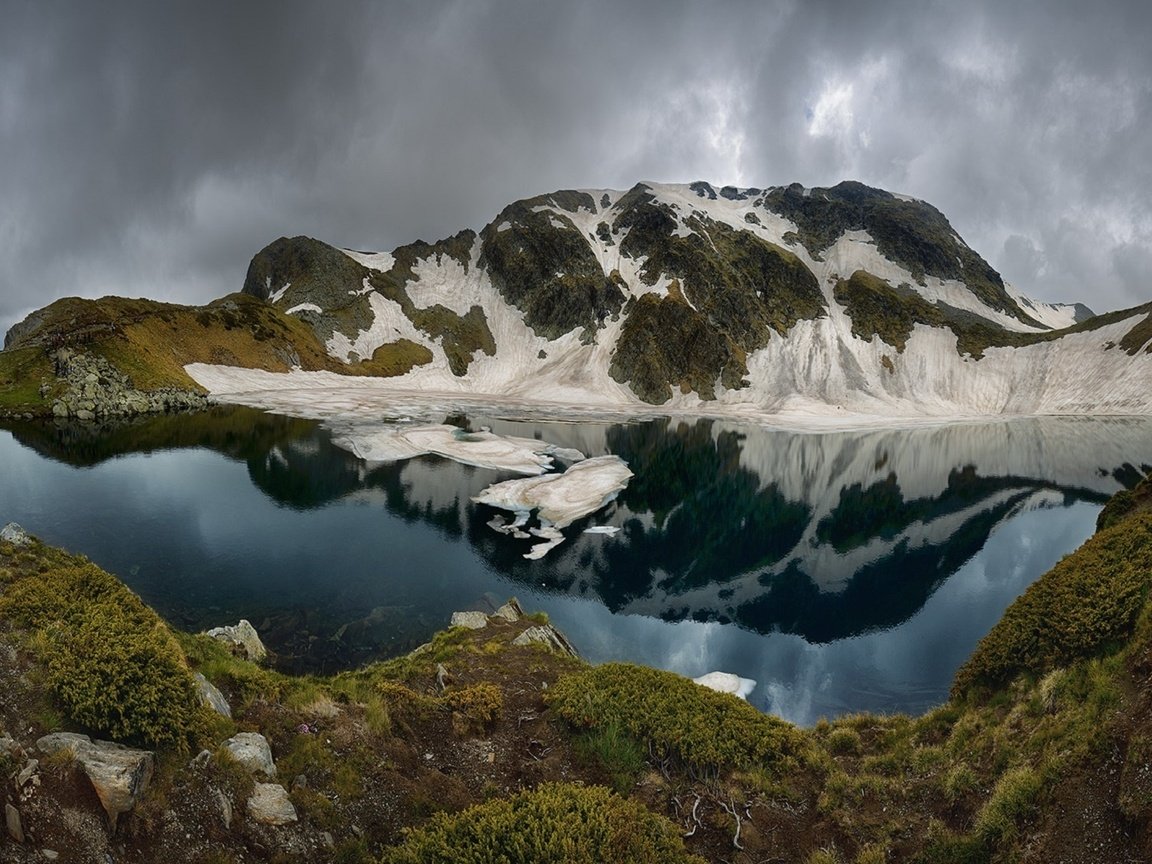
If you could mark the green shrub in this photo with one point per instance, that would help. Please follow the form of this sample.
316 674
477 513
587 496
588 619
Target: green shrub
675 717
112 662
557 823
1086 603
621 758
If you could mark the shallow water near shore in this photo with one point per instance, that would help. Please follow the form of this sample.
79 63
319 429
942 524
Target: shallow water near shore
842 571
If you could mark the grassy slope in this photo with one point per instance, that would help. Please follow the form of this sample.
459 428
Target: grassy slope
1025 748
151 342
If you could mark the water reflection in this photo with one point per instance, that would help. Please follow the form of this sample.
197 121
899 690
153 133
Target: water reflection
842 571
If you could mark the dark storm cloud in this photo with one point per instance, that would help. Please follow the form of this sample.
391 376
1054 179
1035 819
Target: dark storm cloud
152 148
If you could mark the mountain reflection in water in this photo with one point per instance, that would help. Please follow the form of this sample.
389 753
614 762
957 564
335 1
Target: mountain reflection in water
842 571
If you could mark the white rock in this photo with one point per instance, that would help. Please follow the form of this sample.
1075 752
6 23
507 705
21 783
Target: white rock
211 696
472 620
243 639
14 534
270 805
510 611
251 749
548 636
119 774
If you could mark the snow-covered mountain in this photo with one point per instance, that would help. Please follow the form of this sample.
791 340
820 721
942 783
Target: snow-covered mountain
779 300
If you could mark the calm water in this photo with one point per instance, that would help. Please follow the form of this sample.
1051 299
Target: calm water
842 572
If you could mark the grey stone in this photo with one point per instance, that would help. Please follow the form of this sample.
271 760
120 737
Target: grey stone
270 805
243 639
510 611
50 854
14 534
27 772
119 774
471 620
549 636
12 820
251 750
211 696
224 804
11 749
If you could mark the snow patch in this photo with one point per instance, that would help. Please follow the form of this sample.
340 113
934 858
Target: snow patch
382 261
304 307
276 295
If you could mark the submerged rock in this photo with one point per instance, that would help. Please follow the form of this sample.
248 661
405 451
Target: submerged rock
242 638
120 775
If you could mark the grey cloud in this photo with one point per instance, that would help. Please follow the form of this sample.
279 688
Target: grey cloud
152 148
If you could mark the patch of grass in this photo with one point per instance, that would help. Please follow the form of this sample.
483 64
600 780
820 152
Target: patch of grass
616 754
474 708
553 823
22 370
673 716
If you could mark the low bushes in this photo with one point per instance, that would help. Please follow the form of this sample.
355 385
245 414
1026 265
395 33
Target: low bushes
676 717
111 661
557 822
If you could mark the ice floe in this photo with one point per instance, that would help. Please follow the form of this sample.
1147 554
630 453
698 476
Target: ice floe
482 449
726 682
559 499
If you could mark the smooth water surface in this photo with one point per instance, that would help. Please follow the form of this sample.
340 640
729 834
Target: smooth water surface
843 572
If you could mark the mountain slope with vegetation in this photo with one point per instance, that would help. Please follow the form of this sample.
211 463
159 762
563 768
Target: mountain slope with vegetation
481 747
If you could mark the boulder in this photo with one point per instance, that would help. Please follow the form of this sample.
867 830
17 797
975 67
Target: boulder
119 774
211 696
510 611
12 821
270 805
550 637
251 750
243 639
472 620
14 534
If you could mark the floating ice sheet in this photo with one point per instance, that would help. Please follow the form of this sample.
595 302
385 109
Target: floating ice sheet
726 682
482 449
560 499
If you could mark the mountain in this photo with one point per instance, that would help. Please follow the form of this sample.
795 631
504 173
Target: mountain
695 297
730 301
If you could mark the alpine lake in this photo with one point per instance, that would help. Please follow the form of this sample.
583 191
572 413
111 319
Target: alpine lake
842 571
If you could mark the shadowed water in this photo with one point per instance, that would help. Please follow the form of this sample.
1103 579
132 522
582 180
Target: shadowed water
843 572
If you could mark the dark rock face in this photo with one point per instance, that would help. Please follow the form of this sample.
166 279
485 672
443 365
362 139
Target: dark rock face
912 233
735 290
650 362
541 263
313 272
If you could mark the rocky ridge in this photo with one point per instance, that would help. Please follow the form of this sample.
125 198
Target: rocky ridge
94 388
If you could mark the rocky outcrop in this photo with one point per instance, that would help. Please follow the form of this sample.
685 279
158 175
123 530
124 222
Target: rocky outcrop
97 389
548 636
119 774
242 638
14 534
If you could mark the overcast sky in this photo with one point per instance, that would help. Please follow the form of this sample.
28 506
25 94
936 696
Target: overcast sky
150 149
